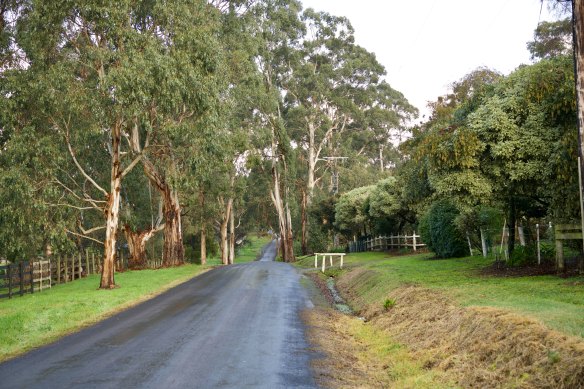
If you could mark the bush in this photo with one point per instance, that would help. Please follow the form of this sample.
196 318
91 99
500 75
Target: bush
439 232
523 256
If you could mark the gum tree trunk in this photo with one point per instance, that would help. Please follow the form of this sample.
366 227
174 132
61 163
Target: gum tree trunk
203 229
173 253
112 214
231 235
137 244
223 232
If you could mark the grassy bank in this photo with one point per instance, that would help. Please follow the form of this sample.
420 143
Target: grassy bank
462 325
33 320
556 302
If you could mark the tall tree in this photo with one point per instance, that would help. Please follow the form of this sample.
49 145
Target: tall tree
332 85
279 30
121 70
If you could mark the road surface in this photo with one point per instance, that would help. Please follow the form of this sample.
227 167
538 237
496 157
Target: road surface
233 327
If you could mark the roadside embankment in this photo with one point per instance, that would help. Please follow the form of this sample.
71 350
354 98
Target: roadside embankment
443 313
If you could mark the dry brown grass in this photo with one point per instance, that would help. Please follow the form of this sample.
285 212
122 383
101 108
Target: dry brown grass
480 347
357 355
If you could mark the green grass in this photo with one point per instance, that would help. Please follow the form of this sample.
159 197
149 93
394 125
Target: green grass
248 252
403 369
557 302
34 320
253 246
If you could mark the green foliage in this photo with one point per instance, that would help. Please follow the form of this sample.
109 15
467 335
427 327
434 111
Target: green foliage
523 256
551 39
388 304
439 232
351 210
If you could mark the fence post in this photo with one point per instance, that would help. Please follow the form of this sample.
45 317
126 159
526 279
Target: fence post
87 262
21 276
10 281
79 265
59 269
93 262
66 269
31 267
538 247
414 240
483 243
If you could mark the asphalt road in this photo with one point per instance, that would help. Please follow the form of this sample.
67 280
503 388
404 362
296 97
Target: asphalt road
232 327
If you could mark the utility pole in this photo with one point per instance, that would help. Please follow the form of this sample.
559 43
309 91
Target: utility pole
334 172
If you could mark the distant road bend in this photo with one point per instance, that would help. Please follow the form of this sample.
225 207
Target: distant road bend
233 327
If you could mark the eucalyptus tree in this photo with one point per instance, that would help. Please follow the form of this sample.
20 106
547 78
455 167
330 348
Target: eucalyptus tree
335 88
118 71
551 39
278 31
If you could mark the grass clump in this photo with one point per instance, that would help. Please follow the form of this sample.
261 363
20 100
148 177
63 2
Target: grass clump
388 304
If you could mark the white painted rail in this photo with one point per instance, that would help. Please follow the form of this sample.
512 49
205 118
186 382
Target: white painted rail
330 257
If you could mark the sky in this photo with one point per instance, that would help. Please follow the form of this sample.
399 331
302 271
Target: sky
426 45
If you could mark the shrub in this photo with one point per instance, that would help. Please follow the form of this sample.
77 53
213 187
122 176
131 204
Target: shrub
439 232
523 256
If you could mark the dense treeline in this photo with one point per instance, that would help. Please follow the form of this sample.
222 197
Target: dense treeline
496 150
172 129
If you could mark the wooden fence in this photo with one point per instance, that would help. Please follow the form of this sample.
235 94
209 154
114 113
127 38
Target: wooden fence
16 279
33 276
386 243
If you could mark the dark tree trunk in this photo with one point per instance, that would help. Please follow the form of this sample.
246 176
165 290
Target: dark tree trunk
137 244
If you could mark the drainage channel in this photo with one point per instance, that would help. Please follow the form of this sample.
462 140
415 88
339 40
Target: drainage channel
339 303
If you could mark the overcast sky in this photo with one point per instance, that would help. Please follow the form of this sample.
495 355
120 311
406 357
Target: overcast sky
425 45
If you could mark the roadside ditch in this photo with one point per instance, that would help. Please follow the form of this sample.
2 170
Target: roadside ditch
427 340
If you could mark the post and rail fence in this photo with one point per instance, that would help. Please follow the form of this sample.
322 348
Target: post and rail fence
36 275
387 243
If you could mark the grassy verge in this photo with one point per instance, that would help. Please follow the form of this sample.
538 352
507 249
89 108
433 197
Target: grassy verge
445 318
364 356
557 302
34 320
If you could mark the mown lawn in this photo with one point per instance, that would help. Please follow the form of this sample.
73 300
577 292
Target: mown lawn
557 302
33 320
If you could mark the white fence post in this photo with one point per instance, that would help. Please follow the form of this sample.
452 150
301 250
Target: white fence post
414 240
483 243
538 247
